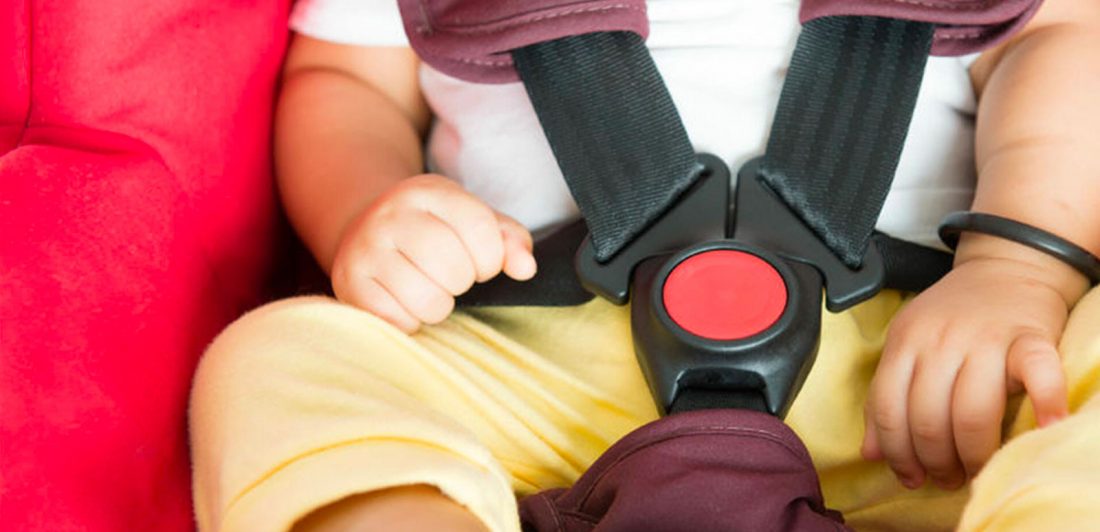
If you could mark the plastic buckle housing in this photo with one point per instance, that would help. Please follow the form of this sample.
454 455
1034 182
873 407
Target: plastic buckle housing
770 363
773 362
698 216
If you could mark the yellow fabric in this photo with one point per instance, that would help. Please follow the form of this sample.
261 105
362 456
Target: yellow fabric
307 401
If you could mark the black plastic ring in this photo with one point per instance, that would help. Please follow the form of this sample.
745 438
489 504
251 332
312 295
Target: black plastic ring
1068 252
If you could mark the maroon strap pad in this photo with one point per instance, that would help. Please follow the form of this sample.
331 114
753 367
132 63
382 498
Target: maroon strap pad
963 26
471 39
706 471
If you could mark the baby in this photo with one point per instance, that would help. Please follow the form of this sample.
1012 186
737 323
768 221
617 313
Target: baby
412 416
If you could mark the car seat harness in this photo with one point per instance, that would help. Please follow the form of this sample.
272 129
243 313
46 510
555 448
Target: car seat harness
725 284
726 302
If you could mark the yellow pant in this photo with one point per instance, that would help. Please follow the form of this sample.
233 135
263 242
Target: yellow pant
306 401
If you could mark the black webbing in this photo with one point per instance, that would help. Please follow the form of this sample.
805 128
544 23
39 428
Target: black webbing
911 267
613 128
690 399
841 123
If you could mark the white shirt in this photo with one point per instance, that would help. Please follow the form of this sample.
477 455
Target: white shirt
723 62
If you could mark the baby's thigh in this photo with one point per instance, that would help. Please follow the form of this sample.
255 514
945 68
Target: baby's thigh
313 366
304 373
306 401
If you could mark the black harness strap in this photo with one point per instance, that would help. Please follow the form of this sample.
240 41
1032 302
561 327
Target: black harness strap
841 123
911 267
835 142
616 135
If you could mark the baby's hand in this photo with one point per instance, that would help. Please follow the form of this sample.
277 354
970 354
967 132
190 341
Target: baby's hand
423 242
937 400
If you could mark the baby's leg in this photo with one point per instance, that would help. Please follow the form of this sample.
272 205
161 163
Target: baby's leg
417 508
307 402
1050 479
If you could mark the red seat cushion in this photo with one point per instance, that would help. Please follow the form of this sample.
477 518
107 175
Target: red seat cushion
138 218
14 85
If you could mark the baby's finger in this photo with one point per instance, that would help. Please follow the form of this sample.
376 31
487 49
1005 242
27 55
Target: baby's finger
519 262
437 251
371 296
977 409
889 398
476 225
1034 362
930 420
416 293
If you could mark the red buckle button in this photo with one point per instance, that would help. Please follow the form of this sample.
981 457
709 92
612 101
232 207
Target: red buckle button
724 294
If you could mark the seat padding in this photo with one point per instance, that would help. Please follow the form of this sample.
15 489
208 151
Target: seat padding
138 218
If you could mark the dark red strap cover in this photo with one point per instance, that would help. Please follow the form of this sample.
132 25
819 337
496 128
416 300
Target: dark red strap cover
470 39
704 471
964 26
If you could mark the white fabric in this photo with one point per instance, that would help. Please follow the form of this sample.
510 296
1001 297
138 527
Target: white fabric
723 62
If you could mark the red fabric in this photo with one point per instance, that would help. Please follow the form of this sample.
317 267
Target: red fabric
14 85
138 218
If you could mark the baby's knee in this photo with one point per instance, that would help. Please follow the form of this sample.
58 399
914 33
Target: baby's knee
265 325
262 340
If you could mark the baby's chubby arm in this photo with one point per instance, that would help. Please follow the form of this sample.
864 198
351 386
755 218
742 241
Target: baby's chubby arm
990 327
395 241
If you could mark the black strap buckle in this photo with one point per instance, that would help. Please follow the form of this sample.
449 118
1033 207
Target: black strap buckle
761 367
